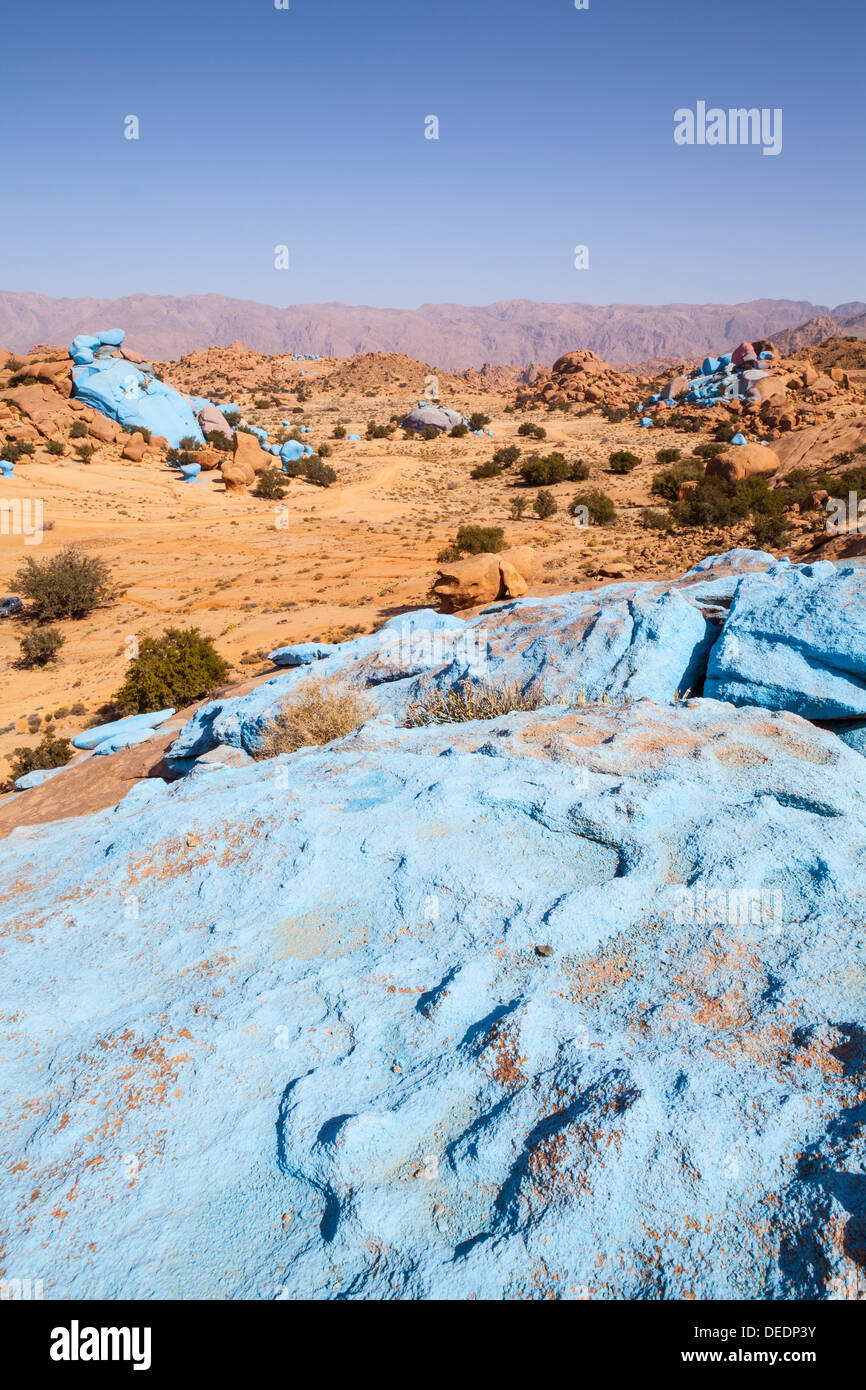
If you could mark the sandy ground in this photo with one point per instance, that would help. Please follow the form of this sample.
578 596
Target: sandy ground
324 563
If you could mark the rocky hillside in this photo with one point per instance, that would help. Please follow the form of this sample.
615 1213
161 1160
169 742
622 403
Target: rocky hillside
565 1003
454 336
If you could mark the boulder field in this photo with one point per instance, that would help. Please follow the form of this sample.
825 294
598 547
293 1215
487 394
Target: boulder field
569 1003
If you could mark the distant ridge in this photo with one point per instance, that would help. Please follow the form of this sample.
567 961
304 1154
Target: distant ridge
451 336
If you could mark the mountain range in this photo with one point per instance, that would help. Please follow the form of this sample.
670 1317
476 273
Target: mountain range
450 336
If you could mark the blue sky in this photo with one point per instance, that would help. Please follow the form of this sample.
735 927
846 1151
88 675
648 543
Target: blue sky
305 127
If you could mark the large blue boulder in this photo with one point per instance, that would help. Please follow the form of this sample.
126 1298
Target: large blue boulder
795 640
133 397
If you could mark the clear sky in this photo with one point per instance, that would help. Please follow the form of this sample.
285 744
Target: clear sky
305 127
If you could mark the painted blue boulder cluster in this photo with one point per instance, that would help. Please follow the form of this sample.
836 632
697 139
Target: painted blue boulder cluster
560 1005
563 1004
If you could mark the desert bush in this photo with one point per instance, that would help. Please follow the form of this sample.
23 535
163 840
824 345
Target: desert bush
317 713
85 452
506 455
51 752
477 420
56 447
716 503
530 431
171 670
430 432
218 440
324 451
40 646
459 431
709 450
769 528
138 429
189 443
232 417
667 484
375 431
725 431
271 485
339 432
474 540
599 506
78 430
622 461
668 455
486 470
547 470
69 585
545 505
615 414
468 700
13 364
11 452
655 520
518 507
319 473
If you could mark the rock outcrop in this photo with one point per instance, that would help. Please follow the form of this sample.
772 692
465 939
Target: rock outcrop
566 1003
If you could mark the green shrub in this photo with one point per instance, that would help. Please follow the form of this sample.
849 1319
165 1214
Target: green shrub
51 752
540 471
530 431
459 431
375 431
56 447
667 484
78 430
668 456
769 529
544 505
518 507
69 585
655 520
324 451
40 646
709 451
477 420
339 432
85 452
716 503
172 670
218 440
271 485
139 429
189 443
430 432
319 473
600 507
475 540
506 455
11 452
486 470
622 461
232 417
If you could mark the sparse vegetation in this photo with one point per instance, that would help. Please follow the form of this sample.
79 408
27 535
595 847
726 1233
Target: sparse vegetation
547 470
486 470
622 461
468 700
171 670
78 430
51 752
545 505
271 485
668 455
317 713
530 431
40 646
519 505
478 420
69 585
597 503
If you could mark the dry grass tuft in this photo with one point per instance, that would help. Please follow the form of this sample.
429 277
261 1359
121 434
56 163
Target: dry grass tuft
317 713
468 700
